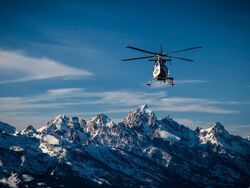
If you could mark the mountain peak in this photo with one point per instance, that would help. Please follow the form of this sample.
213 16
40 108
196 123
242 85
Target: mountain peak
213 134
141 116
102 120
60 118
29 131
143 107
218 128
218 125
69 128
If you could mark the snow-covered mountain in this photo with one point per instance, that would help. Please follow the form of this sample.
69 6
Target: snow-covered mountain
140 151
6 128
248 137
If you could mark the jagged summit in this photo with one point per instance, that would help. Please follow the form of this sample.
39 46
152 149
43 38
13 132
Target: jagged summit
219 137
65 127
218 125
140 116
29 131
59 119
61 116
102 120
143 107
214 132
218 128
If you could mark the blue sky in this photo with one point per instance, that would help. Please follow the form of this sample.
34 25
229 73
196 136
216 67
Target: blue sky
65 57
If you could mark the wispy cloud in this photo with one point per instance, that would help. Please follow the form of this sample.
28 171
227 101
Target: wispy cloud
183 104
24 68
84 103
243 130
112 101
191 81
193 124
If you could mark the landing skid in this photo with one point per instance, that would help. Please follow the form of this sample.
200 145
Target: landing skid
150 82
170 81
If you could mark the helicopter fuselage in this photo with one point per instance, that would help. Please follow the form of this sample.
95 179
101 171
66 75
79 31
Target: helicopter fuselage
160 70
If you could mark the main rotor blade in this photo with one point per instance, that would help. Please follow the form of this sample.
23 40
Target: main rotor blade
185 59
138 49
144 57
183 50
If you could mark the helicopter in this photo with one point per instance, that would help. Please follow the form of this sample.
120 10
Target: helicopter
161 71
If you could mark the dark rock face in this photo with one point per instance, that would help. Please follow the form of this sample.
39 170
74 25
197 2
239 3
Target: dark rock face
6 128
140 151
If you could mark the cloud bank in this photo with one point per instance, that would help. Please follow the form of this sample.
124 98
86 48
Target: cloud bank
113 101
23 68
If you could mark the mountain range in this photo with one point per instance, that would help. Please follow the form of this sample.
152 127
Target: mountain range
140 151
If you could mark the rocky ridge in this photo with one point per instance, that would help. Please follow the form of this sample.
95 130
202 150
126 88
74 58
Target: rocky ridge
140 151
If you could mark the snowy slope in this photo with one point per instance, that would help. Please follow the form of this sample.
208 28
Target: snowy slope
29 131
247 137
218 136
6 128
140 151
